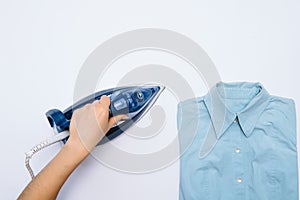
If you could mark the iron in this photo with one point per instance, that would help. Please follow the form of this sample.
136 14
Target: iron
134 101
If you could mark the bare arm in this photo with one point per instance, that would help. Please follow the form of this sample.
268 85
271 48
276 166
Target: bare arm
88 126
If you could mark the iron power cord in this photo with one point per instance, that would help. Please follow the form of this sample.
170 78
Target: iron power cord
48 142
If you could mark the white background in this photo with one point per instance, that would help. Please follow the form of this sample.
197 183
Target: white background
43 45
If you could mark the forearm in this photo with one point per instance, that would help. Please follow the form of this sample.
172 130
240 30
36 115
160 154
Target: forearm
48 182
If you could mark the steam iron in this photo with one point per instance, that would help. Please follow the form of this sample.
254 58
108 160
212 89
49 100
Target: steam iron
134 101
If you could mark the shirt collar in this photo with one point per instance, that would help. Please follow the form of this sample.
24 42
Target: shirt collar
222 116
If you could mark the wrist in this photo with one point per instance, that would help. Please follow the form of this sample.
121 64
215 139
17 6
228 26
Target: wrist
78 149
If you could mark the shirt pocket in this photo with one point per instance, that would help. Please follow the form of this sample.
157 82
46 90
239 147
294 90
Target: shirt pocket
274 183
273 178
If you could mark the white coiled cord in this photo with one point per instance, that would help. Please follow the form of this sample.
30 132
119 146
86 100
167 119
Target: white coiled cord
49 141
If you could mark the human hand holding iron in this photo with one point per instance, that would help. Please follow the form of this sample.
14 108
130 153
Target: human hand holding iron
90 123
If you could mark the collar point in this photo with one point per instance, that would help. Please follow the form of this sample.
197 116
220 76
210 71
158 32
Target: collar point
247 133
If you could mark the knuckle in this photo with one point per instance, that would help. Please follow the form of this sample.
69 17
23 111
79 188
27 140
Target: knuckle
105 98
76 113
88 106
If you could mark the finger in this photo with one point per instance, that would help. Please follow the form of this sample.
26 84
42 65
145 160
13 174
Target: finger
104 101
113 120
102 106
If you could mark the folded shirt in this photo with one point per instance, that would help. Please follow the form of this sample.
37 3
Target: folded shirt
238 142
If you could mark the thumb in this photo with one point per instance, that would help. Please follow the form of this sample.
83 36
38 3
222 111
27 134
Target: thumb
114 120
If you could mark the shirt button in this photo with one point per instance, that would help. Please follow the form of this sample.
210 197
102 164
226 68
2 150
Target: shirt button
239 180
237 150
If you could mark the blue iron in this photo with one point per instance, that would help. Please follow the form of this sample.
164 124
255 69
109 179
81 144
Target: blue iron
134 101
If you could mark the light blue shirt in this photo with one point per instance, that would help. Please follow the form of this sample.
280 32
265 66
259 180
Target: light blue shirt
238 142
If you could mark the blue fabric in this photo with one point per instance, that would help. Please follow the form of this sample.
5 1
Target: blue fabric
238 142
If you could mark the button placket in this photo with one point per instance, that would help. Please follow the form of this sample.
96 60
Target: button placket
238 164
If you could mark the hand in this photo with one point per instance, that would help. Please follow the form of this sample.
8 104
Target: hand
90 123
88 126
